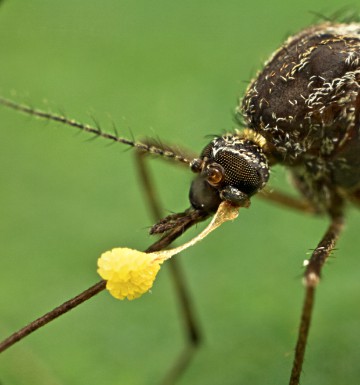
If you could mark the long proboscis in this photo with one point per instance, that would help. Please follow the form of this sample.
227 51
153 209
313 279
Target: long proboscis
165 152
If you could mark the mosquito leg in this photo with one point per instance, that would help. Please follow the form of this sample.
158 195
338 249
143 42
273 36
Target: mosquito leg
311 279
191 325
166 240
287 201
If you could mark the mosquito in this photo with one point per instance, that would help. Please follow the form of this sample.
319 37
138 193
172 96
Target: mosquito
301 111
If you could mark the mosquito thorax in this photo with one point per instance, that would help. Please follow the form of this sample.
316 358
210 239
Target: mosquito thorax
232 167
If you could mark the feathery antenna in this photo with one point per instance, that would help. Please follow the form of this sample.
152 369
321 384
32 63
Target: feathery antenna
165 152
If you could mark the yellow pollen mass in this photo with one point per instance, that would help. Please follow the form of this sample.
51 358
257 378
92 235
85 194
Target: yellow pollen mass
129 273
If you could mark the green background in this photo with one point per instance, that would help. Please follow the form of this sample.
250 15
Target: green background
173 70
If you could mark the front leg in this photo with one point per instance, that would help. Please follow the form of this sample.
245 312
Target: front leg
287 201
191 324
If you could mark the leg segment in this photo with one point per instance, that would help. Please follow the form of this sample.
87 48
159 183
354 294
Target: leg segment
311 279
287 201
192 329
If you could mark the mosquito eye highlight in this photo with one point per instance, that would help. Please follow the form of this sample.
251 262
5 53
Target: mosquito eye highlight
215 174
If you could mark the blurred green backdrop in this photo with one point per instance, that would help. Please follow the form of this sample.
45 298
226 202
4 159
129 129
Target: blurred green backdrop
172 70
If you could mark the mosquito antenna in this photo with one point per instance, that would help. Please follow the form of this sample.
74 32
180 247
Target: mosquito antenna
149 148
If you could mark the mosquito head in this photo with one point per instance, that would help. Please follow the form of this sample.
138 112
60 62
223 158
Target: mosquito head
232 167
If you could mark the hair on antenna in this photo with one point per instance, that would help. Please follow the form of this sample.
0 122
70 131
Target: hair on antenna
150 148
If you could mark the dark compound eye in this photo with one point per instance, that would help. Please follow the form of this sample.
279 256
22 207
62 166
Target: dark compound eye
232 168
239 172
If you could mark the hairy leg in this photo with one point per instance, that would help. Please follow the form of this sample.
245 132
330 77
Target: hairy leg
311 280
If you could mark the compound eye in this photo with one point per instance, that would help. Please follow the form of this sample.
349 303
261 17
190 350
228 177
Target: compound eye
214 174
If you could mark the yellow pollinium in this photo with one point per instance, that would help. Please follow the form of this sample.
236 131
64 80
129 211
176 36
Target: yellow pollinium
130 273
